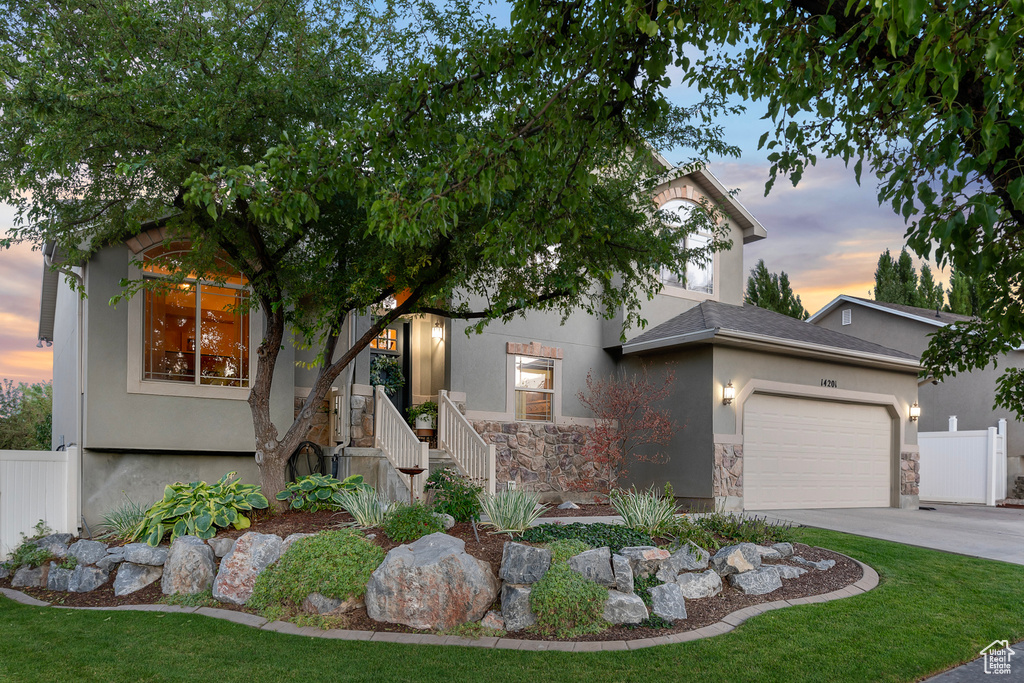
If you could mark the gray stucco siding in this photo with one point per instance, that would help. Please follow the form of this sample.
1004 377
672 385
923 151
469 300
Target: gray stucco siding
65 367
889 330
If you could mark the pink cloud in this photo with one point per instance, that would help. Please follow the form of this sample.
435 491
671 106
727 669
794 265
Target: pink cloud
21 271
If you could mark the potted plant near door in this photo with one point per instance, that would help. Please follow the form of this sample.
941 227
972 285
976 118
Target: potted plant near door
423 418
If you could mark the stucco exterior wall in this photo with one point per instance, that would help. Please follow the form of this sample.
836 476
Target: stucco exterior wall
894 332
65 367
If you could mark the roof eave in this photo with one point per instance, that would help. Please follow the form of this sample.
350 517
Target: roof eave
829 307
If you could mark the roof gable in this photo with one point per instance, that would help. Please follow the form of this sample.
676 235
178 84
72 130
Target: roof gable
923 315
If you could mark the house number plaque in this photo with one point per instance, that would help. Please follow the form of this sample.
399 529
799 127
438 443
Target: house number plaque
829 384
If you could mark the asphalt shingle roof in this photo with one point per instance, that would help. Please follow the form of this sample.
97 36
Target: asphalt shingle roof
715 316
937 316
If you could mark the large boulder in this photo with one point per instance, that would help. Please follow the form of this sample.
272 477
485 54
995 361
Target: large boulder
788 572
85 579
253 552
736 559
189 568
58 578
595 565
698 585
523 564
134 577
689 558
317 603
55 544
142 553
667 601
645 560
87 552
767 553
26 577
624 608
515 607
783 549
221 546
757 582
431 584
623 574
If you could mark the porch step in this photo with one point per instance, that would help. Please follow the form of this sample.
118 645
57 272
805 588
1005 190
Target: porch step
439 459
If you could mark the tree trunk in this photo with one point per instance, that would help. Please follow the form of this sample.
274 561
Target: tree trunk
274 477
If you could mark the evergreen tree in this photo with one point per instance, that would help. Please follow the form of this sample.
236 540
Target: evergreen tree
929 293
897 282
887 281
963 294
773 292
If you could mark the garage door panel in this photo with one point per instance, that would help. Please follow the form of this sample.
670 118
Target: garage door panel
802 453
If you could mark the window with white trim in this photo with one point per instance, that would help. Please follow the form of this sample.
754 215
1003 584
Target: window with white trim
534 388
195 332
697 277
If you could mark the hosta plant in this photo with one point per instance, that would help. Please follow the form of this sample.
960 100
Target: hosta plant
319 492
511 511
198 508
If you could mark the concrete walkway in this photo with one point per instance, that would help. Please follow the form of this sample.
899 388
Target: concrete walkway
977 531
974 672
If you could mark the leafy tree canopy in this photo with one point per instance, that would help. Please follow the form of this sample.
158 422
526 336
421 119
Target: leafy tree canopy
344 151
25 416
773 292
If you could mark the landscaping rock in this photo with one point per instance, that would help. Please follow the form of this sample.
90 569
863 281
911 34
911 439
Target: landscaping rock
142 553
26 577
447 521
316 603
87 552
690 557
624 608
568 505
767 553
221 546
108 562
645 560
595 565
623 574
134 577
431 584
294 537
55 544
784 549
668 601
700 585
736 559
523 564
757 582
85 579
253 552
493 620
58 578
788 572
4 571
189 568
515 607
821 565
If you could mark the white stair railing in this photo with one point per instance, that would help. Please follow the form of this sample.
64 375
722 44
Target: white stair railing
472 455
399 443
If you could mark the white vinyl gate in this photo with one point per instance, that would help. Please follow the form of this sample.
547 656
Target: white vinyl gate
963 467
37 485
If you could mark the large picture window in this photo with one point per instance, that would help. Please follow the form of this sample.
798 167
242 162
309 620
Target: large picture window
196 332
534 388
697 277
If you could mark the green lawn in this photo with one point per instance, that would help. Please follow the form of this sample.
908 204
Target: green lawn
931 611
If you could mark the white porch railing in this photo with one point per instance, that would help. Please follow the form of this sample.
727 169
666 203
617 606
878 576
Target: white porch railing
472 455
37 485
963 467
394 437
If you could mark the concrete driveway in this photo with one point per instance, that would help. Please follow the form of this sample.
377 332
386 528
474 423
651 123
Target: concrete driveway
993 533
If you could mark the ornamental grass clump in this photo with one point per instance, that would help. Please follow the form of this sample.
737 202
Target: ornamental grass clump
124 521
368 508
511 511
567 604
336 564
644 510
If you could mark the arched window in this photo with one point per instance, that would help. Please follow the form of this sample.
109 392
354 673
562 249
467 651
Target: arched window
697 277
196 332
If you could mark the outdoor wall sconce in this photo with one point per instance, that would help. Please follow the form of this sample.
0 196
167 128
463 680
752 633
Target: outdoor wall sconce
915 412
728 394
437 331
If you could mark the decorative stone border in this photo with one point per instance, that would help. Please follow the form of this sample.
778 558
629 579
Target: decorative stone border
729 622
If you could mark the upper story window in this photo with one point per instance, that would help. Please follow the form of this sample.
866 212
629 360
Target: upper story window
697 277
198 331
534 388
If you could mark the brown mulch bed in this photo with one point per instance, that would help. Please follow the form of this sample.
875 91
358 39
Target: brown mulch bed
489 547
586 510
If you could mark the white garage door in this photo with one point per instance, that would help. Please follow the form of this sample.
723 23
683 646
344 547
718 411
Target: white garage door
801 453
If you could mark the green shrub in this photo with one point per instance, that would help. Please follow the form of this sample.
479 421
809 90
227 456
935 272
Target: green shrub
682 530
315 492
742 528
511 510
336 564
69 562
367 507
124 521
27 552
596 535
644 510
454 495
565 603
197 509
405 523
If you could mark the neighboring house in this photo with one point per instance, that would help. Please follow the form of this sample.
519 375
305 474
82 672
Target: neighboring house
970 396
818 419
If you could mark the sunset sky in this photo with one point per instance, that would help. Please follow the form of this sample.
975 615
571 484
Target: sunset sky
826 234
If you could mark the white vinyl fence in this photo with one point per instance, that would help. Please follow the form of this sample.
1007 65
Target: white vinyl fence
963 467
37 485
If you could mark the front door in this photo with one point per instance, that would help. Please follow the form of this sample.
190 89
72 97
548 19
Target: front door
393 344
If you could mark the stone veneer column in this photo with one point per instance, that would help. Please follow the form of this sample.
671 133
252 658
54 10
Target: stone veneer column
361 421
727 476
320 432
910 479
